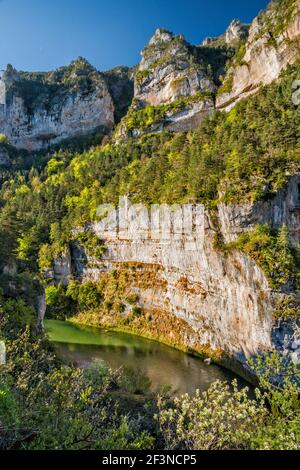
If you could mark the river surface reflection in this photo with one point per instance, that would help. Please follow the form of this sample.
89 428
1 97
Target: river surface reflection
163 365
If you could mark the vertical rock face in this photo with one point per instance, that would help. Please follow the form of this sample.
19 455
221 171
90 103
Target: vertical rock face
273 43
283 209
236 32
169 70
38 110
176 78
225 301
40 308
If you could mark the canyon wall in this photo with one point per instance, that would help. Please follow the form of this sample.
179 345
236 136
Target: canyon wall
272 44
281 209
45 108
169 70
34 113
74 116
224 301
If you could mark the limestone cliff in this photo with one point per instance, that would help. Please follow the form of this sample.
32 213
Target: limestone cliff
42 109
166 260
170 69
273 43
177 79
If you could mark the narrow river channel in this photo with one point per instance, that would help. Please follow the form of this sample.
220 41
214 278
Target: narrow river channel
163 365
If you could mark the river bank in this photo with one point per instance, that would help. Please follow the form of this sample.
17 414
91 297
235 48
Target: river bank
166 330
163 365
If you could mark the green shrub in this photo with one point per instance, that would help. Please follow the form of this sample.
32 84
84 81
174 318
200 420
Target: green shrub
3 139
94 246
273 253
86 294
136 311
59 305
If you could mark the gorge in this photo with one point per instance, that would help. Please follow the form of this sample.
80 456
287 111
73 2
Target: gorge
180 110
150 238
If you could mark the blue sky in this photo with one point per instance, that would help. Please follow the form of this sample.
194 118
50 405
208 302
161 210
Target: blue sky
45 34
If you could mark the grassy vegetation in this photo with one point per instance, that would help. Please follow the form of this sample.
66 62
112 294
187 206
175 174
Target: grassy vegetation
245 155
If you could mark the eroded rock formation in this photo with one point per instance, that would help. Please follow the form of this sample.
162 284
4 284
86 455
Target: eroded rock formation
169 70
223 300
272 44
38 110
4 156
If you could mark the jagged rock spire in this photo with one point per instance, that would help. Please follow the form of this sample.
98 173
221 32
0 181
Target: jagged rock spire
161 35
236 31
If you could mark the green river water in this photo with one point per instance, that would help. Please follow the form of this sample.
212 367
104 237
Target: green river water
164 365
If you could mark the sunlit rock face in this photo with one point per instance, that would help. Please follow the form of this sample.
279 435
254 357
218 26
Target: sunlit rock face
169 70
273 43
224 300
38 110
236 32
